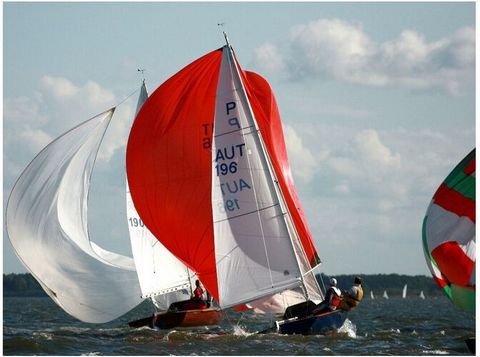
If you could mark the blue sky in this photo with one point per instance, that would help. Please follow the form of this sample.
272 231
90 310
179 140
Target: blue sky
377 101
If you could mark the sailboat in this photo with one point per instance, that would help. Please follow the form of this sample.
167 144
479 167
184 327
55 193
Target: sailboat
404 291
422 295
448 236
371 295
47 224
208 142
163 278
385 295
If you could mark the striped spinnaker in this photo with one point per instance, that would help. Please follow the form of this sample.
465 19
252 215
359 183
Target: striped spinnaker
449 234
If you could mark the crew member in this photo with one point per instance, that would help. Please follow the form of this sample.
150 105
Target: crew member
332 298
352 297
198 292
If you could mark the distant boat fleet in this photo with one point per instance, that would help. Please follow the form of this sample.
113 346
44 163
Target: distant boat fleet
404 294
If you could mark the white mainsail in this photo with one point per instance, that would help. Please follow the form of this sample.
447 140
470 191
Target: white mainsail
422 295
385 295
404 292
254 236
47 226
371 295
162 277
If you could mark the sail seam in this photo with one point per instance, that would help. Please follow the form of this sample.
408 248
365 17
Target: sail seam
234 131
246 214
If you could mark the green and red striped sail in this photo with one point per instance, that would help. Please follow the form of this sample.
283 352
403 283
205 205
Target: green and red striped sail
449 234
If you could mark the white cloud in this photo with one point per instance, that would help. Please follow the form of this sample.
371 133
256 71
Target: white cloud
333 48
365 158
58 105
329 46
302 160
269 58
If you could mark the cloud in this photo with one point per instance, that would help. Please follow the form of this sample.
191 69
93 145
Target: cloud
304 164
365 158
269 56
336 49
58 105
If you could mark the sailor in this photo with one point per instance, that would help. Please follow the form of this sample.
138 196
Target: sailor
332 299
352 297
198 292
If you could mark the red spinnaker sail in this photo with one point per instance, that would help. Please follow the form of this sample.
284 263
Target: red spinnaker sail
169 162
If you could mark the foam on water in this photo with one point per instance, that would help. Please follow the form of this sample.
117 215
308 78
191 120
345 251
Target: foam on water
239 331
349 329
435 352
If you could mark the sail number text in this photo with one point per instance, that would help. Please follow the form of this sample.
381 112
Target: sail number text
136 222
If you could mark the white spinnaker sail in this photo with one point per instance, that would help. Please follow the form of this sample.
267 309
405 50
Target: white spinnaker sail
159 271
253 247
47 226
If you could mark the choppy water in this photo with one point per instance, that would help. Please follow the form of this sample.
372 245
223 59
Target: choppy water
36 326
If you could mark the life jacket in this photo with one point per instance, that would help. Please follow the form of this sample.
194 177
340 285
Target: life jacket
198 293
335 298
350 302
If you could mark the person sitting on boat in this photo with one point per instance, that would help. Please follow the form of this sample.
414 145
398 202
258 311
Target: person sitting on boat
332 299
198 292
352 297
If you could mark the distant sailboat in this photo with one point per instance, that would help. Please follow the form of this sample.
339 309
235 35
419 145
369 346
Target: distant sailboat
404 292
385 295
422 296
371 295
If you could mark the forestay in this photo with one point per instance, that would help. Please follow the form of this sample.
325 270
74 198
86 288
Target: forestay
47 225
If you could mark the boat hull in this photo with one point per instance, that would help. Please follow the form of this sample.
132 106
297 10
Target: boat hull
187 318
313 324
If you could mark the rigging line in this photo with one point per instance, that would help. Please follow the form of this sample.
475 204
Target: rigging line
127 97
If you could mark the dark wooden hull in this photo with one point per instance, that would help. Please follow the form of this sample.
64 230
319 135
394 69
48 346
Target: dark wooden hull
313 324
187 318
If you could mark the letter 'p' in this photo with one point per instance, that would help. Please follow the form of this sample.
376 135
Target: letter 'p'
234 122
230 106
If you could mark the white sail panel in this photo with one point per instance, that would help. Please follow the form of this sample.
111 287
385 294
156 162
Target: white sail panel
277 303
252 242
47 226
159 271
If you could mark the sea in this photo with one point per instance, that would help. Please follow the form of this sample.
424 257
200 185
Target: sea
410 326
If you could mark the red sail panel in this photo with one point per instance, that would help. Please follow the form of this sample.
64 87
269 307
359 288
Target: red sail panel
455 202
169 165
266 112
454 263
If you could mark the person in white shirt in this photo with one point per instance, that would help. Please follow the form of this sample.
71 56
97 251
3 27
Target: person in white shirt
352 297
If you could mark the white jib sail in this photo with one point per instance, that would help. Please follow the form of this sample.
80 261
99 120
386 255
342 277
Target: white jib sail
159 271
253 250
47 226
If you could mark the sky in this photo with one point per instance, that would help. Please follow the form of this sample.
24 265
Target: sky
377 102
